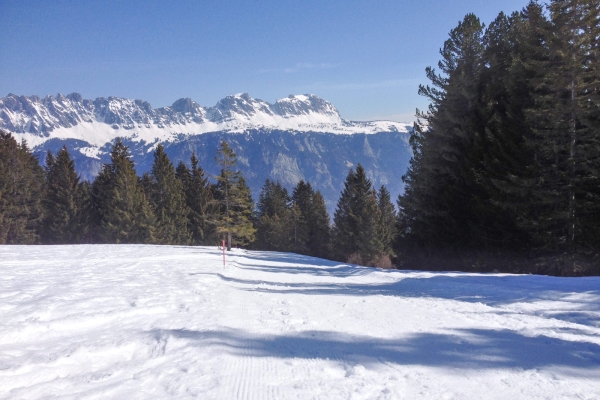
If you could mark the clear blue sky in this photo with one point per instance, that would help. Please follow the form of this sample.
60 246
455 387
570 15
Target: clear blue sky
366 57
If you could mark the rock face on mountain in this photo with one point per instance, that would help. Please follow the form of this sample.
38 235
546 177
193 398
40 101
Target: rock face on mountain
298 137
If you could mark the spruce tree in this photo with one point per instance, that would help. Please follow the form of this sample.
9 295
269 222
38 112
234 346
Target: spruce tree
273 218
168 201
200 201
565 167
576 84
64 201
304 217
356 220
319 241
21 191
123 214
442 188
506 160
234 220
243 212
387 221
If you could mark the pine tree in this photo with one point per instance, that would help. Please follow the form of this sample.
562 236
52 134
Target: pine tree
168 201
576 83
387 221
442 187
234 199
505 162
304 217
21 190
356 220
64 201
319 241
273 218
123 214
243 213
565 127
200 201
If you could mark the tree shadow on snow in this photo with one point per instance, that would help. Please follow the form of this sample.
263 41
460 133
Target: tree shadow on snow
492 290
466 348
293 259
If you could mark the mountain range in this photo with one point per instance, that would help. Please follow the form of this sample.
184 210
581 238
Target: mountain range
297 137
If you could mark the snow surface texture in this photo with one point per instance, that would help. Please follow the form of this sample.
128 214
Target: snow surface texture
98 122
134 322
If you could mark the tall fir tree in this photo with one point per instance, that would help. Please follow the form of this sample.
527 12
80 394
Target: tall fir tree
443 189
319 240
123 214
168 201
356 220
21 191
243 211
64 201
387 221
200 201
273 218
576 85
234 220
304 217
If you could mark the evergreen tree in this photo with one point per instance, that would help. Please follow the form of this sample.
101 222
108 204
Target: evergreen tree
243 213
122 212
273 218
564 167
313 227
21 190
443 189
506 161
575 119
304 217
356 220
168 201
274 199
319 241
234 200
64 201
200 201
506 156
387 221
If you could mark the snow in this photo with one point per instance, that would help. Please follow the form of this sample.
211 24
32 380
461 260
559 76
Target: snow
98 134
66 119
134 321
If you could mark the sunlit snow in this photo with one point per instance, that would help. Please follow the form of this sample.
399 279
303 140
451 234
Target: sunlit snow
133 321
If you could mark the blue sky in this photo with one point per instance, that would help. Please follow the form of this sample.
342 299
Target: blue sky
366 57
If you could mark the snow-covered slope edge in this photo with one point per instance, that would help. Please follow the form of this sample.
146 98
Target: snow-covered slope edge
100 121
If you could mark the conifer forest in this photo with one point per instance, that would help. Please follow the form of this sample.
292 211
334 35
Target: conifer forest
505 173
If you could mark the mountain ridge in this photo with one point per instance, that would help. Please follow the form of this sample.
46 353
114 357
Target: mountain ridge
101 120
298 137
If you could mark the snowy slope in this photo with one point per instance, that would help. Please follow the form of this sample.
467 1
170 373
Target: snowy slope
141 322
98 122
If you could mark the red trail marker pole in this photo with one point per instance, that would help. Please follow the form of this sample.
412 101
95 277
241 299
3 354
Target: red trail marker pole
223 246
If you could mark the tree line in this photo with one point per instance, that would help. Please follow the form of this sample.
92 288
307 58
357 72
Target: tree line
183 205
506 160
505 171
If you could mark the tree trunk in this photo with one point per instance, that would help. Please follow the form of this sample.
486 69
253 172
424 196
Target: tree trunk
572 168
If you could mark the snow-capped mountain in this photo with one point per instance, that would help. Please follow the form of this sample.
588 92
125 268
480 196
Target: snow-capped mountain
99 121
298 137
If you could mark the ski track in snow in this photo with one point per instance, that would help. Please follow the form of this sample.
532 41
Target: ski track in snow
137 322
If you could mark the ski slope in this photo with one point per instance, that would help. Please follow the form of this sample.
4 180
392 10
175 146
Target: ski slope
140 322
